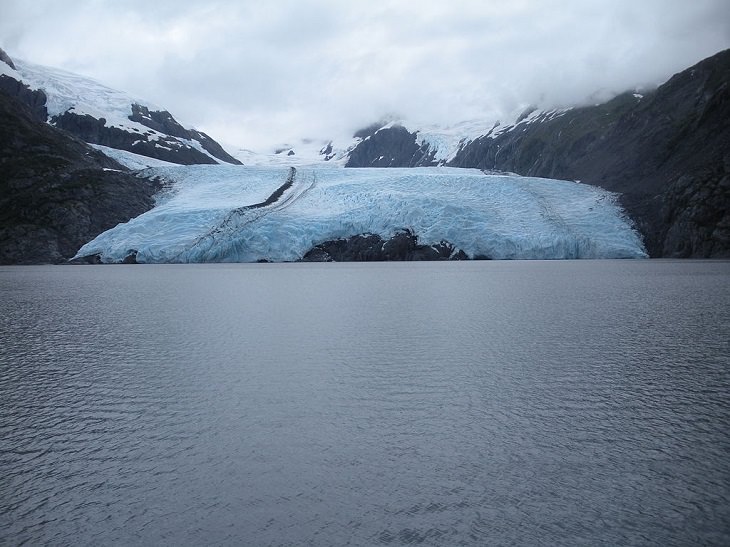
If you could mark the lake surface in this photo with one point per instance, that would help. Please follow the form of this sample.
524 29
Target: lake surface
479 403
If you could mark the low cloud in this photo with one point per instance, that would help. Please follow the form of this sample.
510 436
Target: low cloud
258 73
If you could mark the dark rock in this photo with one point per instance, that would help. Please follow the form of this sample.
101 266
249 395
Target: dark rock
400 246
403 246
159 120
131 258
34 99
359 248
163 122
56 192
5 58
95 131
317 254
327 152
392 146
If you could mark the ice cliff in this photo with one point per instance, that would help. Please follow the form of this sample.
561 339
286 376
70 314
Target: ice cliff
247 214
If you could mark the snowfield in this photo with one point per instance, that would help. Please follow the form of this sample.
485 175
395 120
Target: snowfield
220 213
69 92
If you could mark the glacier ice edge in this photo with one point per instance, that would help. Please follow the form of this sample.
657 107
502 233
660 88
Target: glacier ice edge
208 217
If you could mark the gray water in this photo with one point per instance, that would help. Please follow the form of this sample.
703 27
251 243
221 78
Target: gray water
482 403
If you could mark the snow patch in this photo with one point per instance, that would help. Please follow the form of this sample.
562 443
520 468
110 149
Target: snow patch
66 90
69 92
7 70
307 152
130 159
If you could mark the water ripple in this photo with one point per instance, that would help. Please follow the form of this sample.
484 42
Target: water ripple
458 404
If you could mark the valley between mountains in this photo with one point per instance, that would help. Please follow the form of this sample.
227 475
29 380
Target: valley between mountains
90 174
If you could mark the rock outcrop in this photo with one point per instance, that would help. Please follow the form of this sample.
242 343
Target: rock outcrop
95 131
391 146
34 99
56 192
163 122
403 246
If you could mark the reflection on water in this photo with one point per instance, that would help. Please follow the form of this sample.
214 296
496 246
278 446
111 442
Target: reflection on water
571 403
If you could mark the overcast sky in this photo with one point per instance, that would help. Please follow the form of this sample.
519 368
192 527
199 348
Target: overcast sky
254 73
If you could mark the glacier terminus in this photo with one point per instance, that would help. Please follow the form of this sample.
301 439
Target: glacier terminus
226 213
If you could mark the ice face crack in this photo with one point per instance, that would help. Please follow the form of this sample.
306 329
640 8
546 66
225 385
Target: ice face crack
214 245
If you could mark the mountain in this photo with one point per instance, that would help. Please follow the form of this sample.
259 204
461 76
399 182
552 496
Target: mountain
56 192
666 151
103 116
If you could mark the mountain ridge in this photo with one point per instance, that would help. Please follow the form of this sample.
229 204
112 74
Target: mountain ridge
666 152
103 116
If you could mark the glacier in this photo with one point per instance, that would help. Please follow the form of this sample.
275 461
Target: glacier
226 213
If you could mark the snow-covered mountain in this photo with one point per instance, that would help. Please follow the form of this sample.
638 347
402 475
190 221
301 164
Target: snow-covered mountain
403 143
103 116
298 152
662 155
249 214
392 143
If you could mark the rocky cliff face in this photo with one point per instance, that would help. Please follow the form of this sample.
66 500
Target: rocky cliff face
34 99
393 146
56 192
164 144
95 131
667 152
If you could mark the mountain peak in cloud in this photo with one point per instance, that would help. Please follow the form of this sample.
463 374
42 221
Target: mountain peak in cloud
257 74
